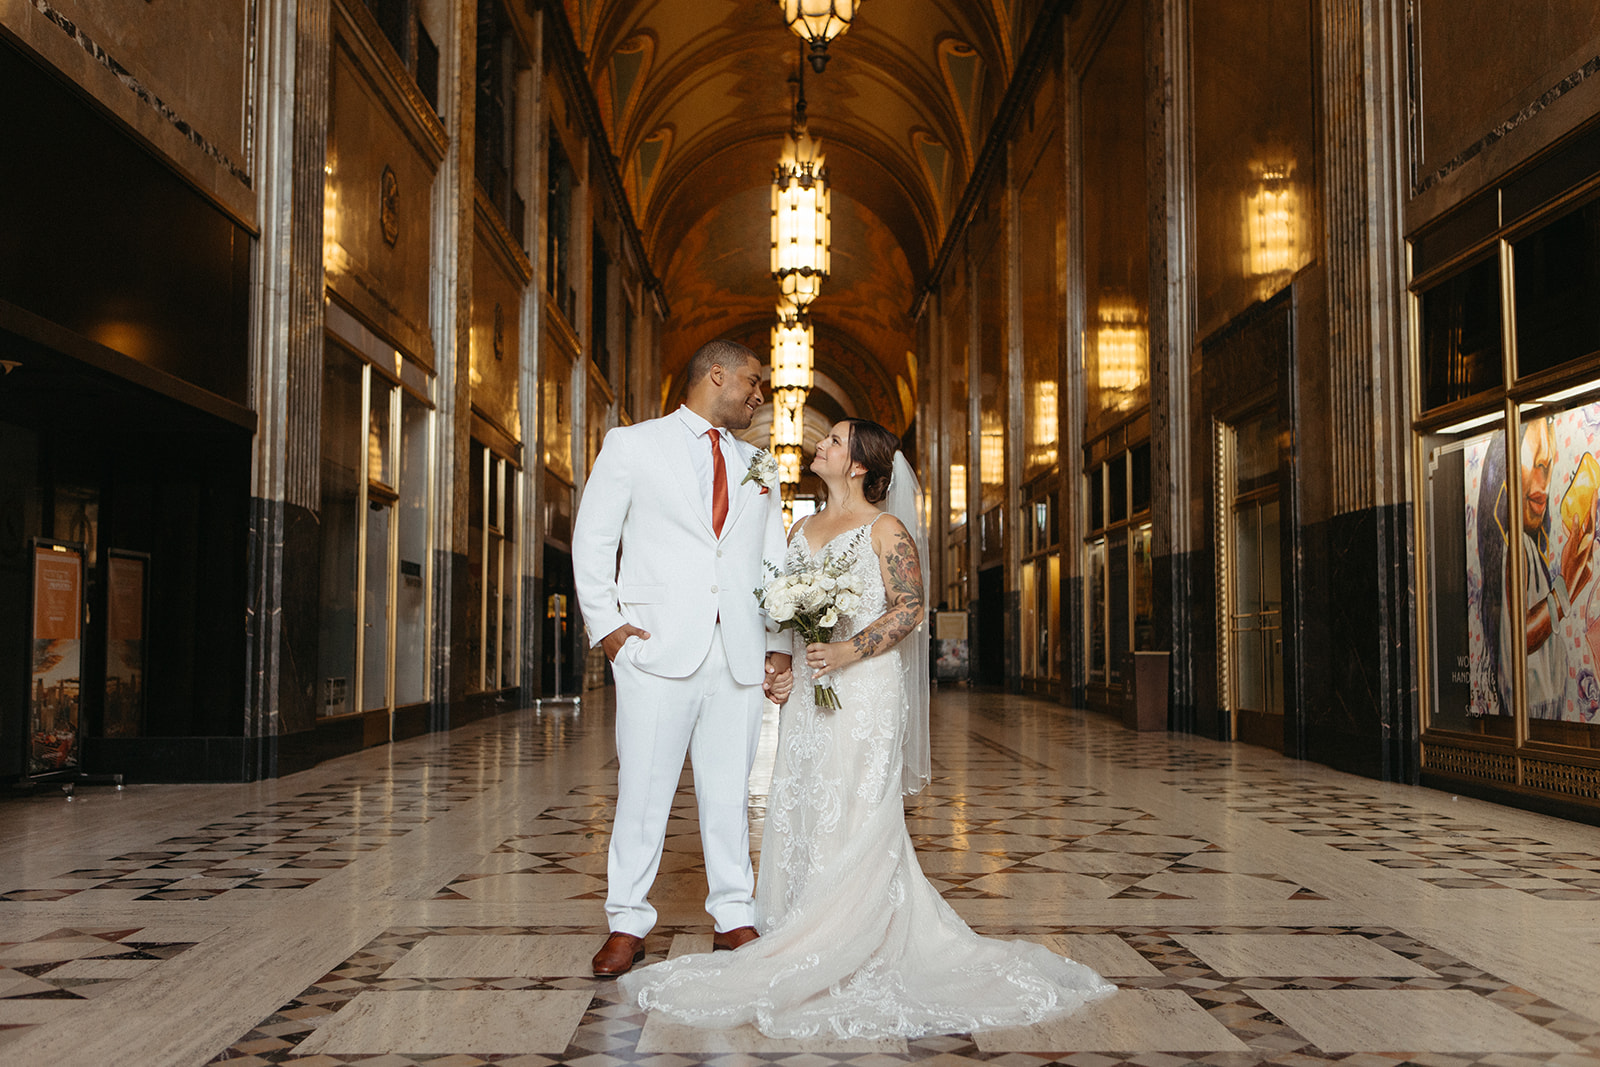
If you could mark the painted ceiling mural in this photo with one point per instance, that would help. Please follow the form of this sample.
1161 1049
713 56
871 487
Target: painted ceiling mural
697 95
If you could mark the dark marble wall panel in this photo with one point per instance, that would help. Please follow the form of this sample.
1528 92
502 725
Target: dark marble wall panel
1360 706
297 647
464 638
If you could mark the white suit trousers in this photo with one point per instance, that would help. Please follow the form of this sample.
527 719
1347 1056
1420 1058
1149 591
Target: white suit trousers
717 722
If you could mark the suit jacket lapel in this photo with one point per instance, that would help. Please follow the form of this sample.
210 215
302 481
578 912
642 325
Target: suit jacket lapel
740 491
675 451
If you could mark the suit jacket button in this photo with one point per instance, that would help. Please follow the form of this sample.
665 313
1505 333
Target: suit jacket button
713 589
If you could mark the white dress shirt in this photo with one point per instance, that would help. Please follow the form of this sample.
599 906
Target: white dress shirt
696 428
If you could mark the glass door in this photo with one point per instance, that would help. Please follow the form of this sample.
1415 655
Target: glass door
1257 617
1255 597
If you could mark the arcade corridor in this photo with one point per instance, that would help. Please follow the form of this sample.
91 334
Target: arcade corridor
437 901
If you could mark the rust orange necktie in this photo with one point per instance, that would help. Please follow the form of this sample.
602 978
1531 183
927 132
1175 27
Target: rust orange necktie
719 483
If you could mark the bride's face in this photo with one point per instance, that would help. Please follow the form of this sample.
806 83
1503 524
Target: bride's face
832 459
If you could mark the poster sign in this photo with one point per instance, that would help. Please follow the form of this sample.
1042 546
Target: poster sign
127 578
55 698
1555 520
950 652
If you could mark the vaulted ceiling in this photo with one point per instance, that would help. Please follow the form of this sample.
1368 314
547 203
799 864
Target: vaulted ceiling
697 96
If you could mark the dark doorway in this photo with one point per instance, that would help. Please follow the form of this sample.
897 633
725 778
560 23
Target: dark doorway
990 640
561 622
98 461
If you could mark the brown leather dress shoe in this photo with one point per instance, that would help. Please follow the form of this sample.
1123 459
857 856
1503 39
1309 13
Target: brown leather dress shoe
732 939
618 955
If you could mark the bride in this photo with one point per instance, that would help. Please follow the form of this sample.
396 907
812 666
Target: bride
854 940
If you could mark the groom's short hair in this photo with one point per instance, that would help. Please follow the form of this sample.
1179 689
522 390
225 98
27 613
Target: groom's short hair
730 355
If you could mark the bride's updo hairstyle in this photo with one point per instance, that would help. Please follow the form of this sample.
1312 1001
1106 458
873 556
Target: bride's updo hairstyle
873 447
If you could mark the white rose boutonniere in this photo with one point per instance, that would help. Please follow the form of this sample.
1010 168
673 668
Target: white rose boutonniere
763 471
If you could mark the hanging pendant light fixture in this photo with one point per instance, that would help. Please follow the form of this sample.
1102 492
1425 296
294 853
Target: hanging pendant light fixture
792 376
819 22
801 211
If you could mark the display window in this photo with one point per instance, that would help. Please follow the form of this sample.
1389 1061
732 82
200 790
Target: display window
1119 581
377 482
1508 443
494 621
1041 589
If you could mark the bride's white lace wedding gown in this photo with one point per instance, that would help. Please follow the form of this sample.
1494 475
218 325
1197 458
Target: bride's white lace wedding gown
855 941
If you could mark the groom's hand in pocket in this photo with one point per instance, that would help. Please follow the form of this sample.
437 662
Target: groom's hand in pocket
612 642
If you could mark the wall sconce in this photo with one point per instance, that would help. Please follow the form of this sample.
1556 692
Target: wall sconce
1271 216
1121 340
1046 425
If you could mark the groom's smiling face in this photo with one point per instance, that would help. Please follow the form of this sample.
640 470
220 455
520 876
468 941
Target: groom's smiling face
738 394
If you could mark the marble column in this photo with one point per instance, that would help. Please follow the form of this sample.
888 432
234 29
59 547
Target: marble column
1184 583
451 315
287 359
1368 721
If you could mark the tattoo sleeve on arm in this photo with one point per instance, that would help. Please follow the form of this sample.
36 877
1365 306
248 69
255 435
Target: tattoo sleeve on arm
902 572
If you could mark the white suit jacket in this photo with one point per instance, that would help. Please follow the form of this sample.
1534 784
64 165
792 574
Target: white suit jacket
675 576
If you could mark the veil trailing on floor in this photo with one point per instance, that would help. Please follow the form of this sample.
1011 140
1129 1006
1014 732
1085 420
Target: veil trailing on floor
904 502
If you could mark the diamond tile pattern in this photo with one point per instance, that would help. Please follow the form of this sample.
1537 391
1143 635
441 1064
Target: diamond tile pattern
1253 910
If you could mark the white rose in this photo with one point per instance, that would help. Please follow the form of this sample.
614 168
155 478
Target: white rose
848 603
781 612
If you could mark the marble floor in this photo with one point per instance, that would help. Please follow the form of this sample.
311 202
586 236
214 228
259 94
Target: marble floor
437 902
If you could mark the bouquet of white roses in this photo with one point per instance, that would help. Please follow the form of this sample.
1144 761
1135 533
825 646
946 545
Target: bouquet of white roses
811 602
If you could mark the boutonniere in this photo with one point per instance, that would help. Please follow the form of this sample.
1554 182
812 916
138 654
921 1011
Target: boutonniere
763 471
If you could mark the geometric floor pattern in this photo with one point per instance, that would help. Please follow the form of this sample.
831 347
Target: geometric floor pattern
1446 852
437 901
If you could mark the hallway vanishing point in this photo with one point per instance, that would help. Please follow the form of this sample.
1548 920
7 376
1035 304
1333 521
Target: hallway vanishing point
437 901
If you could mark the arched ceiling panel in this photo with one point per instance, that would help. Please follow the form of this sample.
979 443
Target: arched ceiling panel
698 96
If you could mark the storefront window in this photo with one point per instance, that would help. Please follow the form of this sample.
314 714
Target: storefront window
492 561
1461 345
1558 460
1095 565
373 654
1041 588
1117 558
1558 291
1510 493
343 463
1466 515
411 593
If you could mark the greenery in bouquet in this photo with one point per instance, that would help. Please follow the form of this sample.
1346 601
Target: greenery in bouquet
811 602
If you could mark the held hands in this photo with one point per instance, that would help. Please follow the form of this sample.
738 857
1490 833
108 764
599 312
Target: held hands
613 641
825 658
779 680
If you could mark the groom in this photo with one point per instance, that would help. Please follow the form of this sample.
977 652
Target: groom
685 636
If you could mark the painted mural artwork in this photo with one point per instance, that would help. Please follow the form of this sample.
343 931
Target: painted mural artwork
1556 519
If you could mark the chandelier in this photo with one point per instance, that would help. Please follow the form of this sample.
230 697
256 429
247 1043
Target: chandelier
801 212
818 22
791 381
